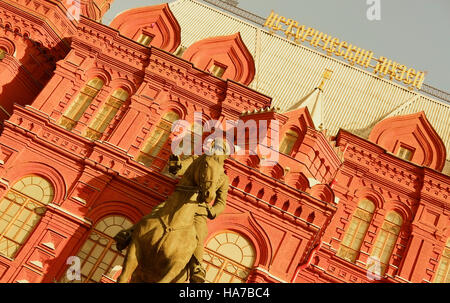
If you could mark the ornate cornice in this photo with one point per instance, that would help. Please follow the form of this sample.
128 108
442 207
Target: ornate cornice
51 18
101 156
395 174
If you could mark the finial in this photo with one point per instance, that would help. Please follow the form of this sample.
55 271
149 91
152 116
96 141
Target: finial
326 76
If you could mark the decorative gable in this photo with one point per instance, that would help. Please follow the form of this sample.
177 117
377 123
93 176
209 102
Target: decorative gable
151 26
226 57
94 9
412 138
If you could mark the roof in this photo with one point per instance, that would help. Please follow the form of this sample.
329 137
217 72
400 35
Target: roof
353 99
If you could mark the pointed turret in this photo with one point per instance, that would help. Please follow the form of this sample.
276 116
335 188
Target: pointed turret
314 102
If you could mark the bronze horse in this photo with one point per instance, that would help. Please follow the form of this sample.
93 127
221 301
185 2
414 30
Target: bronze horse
162 243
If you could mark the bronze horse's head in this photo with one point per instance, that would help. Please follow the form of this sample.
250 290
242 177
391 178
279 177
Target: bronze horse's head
210 170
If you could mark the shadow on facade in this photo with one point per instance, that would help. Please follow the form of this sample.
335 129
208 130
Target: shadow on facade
22 80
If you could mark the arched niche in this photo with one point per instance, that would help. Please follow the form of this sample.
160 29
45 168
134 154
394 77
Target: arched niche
155 22
226 57
412 138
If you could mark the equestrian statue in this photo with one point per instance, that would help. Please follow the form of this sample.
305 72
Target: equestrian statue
166 246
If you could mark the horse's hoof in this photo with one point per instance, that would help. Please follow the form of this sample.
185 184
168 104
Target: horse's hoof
197 279
198 276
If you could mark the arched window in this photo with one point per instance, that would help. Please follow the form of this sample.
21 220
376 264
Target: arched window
145 39
21 210
288 142
356 231
443 271
228 258
81 103
158 139
386 240
260 194
106 114
99 254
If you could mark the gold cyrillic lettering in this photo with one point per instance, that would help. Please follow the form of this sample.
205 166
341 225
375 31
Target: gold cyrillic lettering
402 69
271 19
393 71
409 73
333 44
326 40
340 52
299 33
368 58
349 53
290 24
277 26
316 38
309 32
381 64
418 81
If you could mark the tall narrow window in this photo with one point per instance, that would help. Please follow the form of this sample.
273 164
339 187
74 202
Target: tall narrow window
228 258
217 70
384 245
99 255
180 51
21 210
288 142
158 139
145 39
405 153
443 271
106 114
354 237
81 103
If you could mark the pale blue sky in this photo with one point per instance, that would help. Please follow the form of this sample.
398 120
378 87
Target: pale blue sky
413 32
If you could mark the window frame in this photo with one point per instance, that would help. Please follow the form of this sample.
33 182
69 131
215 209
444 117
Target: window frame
345 249
386 233
107 112
144 36
77 107
403 150
444 266
160 141
105 249
39 211
217 69
227 261
292 143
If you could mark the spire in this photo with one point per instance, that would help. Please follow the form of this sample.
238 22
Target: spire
314 101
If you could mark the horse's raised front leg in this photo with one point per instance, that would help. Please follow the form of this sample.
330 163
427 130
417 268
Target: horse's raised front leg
129 264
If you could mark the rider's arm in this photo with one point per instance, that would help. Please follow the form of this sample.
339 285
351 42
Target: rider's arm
221 199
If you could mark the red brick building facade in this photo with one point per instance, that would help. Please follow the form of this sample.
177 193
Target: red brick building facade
87 110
